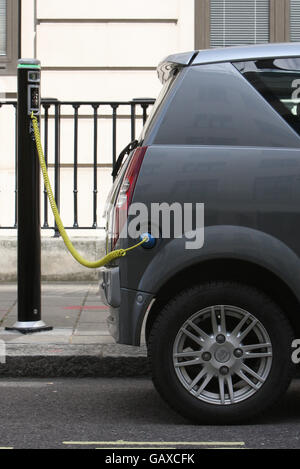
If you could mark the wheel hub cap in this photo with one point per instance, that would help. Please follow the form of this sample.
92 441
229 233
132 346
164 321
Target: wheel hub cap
222 355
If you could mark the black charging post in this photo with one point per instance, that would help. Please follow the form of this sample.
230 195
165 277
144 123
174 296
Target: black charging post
29 233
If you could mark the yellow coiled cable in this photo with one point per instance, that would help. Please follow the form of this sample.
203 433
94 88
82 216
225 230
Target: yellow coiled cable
91 264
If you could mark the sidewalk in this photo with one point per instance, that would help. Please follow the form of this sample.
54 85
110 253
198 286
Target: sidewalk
79 344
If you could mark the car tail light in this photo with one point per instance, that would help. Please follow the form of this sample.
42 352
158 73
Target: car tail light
126 192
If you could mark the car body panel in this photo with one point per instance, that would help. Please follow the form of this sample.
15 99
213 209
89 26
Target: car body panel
221 243
218 142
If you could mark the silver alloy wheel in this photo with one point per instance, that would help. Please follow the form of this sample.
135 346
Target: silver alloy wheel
222 355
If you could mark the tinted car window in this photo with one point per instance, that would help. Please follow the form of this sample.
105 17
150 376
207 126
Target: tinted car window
214 105
278 81
158 103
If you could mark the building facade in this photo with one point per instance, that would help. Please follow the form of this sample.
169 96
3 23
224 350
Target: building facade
101 50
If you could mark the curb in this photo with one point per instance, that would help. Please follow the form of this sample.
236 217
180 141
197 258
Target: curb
53 361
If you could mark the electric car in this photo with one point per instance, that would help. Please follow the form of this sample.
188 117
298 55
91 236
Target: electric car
221 320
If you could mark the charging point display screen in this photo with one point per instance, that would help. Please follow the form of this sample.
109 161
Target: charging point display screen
33 78
33 99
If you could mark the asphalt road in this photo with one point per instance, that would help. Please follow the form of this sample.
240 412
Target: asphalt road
97 413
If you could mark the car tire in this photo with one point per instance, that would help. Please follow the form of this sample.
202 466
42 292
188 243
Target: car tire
238 345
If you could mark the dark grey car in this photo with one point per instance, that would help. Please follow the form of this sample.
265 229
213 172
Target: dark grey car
219 320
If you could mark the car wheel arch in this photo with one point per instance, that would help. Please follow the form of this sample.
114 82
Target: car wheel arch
228 269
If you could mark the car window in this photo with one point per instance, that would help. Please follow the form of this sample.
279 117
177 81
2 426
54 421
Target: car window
278 81
215 105
157 105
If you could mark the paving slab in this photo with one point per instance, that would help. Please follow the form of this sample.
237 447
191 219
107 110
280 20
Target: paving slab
79 344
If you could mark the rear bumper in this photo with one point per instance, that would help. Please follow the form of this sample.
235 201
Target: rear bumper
110 293
110 286
127 308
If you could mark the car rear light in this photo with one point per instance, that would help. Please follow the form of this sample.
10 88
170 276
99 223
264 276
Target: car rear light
126 192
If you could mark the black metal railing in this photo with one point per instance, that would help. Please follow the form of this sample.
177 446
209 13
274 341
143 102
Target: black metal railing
133 111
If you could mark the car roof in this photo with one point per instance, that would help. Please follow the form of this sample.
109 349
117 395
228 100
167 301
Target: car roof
227 54
240 53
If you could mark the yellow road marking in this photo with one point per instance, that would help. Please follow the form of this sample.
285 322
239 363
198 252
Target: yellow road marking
232 446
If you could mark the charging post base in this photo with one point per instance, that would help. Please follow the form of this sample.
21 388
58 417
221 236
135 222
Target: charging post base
28 327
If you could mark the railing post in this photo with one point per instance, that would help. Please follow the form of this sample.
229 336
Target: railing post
95 189
132 118
114 133
29 232
46 107
75 173
57 162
